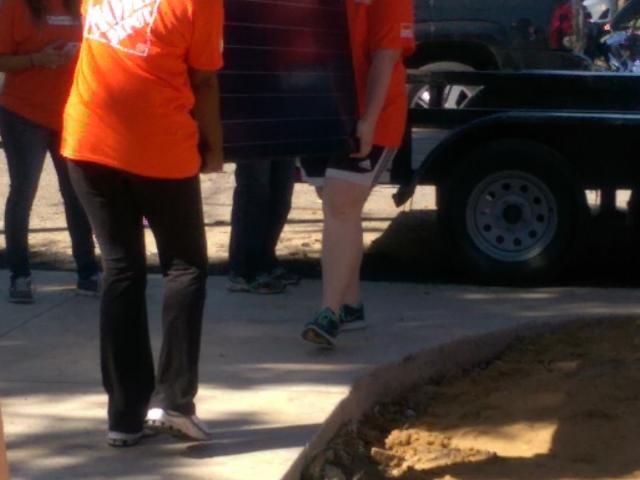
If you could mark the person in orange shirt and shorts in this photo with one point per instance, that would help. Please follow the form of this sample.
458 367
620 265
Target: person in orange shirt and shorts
142 121
381 34
38 48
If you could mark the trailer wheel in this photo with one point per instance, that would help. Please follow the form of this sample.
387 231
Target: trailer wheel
513 210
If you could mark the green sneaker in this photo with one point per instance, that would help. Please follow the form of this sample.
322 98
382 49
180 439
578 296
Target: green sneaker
323 329
352 318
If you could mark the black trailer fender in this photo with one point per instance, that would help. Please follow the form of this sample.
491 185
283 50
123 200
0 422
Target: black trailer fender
458 142
552 130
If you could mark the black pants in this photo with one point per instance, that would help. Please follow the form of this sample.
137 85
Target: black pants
261 205
26 145
116 203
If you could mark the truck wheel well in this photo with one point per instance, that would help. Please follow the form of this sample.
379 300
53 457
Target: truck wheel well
476 55
450 158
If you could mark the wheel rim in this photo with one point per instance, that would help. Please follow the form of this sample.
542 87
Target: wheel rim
454 97
421 99
512 216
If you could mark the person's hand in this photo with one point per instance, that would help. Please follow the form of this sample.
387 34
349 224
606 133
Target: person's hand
212 160
52 56
364 132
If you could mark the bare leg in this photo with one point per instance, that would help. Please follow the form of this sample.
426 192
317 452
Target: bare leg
342 248
352 297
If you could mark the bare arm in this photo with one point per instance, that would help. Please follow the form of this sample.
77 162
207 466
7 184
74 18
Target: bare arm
384 61
207 114
52 56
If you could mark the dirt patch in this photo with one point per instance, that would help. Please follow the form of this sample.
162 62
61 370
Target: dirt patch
561 406
299 246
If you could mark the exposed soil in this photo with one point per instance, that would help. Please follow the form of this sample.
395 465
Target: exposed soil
299 246
557 407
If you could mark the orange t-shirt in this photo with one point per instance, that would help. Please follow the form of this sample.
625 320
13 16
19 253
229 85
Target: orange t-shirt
38 94
131 101
378 25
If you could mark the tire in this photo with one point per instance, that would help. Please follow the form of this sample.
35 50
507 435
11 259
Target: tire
455 96
513 211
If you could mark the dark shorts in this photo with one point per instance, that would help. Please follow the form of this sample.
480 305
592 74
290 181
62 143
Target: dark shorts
363 171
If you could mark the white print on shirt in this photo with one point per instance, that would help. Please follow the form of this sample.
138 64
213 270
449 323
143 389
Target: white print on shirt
123 24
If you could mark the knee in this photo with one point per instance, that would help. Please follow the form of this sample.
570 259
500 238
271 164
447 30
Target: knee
23 192
192 273
251 195
124 273
342 208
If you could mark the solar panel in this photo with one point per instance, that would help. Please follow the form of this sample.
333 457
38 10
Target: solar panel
287 86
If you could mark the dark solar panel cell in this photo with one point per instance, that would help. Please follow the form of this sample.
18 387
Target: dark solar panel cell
287 85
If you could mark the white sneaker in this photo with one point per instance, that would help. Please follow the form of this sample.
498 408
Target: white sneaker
174 423
120 439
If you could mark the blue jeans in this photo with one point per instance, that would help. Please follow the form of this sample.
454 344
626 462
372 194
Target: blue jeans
26 145
261 205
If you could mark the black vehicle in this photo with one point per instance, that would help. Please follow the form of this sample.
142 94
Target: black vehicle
466 35
512 170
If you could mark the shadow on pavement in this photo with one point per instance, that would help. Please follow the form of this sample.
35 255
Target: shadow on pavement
411 249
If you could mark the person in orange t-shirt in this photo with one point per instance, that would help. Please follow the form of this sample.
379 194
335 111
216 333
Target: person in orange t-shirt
145 91
38 46
381 34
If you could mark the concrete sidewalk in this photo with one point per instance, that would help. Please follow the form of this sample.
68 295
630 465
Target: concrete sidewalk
264 391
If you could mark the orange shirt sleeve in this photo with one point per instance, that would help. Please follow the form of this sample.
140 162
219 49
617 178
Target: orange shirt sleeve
391 26
7 27
205 51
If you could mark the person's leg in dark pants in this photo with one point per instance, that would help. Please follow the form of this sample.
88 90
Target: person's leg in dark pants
280 193
249 217
78 224
108 197
25 145
173 209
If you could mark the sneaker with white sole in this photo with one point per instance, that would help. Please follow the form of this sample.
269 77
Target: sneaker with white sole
352 318
323 329
121 439
177 424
